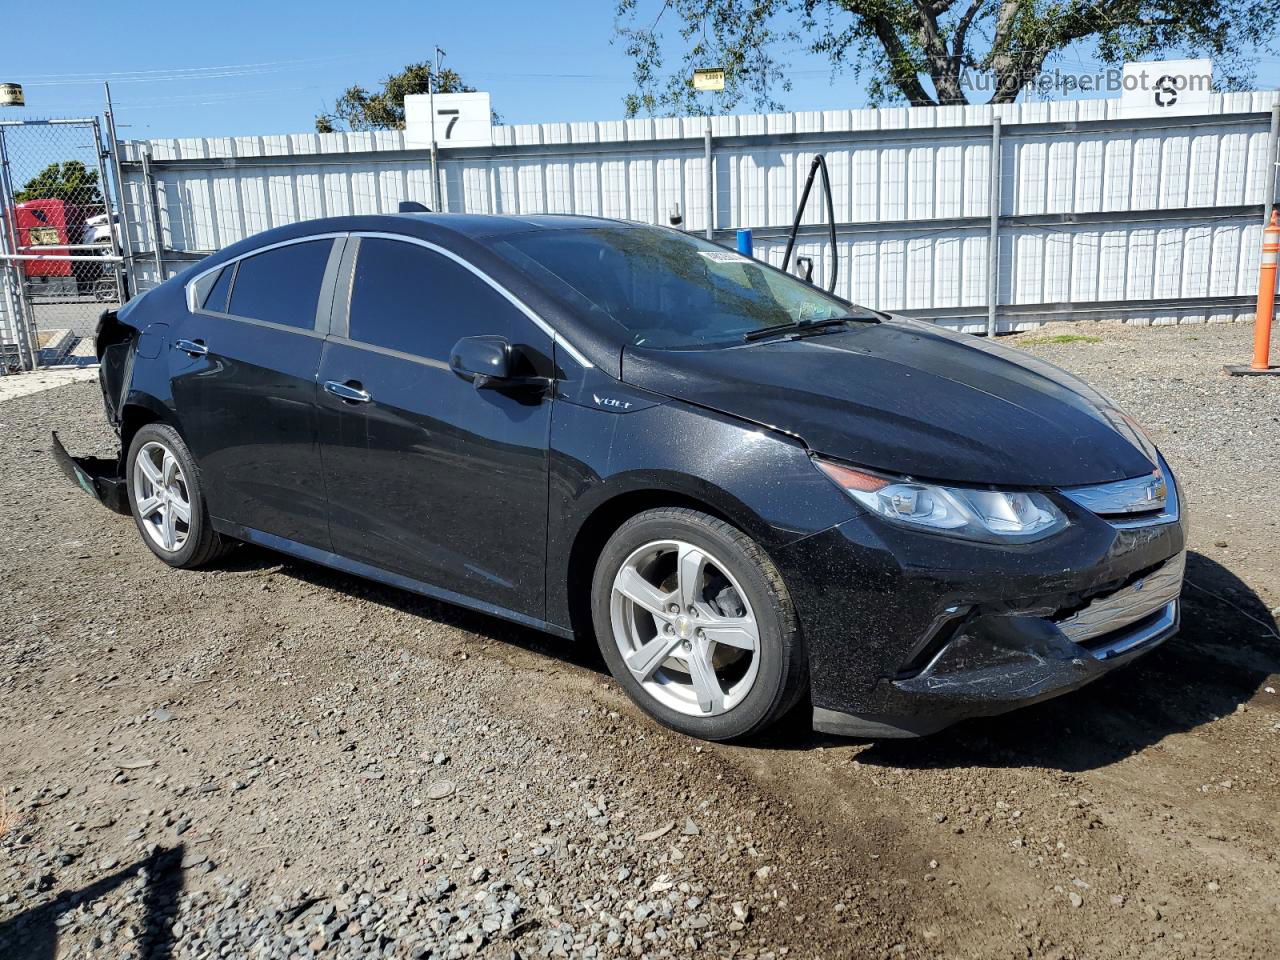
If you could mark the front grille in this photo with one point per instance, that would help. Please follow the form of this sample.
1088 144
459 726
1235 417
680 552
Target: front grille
1136 502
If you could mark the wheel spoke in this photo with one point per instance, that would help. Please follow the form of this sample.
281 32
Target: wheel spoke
168 468
643 663
149 506
740 632
180 510
643 594
705 682
151 471
167 531
689 570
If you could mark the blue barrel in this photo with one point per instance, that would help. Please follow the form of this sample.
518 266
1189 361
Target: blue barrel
744 243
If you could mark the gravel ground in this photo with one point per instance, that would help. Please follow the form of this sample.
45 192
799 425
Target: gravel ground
269 759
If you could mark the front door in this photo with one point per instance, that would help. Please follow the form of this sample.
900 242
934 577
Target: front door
427 476
243 368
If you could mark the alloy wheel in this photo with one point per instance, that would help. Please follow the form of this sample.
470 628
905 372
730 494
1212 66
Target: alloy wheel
685 628
161 496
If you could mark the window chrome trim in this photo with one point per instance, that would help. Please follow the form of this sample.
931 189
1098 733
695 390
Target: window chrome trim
189 288
389 352
267 324
515 301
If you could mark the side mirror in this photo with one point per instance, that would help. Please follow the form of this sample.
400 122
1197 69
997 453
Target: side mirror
481 360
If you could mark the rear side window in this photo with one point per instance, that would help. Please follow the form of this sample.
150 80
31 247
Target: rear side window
407 298
281 285
216 301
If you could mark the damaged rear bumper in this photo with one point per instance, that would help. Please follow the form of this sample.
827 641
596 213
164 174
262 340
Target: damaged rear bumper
101 478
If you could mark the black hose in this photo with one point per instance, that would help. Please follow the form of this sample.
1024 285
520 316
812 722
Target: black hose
819 163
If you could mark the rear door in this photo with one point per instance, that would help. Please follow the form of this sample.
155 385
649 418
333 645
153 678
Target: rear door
243 367
427 476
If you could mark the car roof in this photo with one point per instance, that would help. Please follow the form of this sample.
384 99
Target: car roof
478 225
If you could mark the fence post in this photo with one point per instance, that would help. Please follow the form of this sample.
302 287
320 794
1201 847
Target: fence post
153 210
993 244
1273 155
24 331
106 206
125 241
711 181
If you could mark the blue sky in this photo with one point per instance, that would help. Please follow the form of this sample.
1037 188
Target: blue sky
237 67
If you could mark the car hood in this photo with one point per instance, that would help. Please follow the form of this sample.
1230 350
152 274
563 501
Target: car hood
913 399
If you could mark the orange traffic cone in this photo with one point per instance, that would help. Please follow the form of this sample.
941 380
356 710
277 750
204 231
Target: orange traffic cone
1266 303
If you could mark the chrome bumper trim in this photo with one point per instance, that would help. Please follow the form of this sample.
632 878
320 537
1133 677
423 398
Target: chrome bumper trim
1156 592
1148 631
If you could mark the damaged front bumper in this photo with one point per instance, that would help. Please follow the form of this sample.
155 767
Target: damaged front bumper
101 478
994 663
908 633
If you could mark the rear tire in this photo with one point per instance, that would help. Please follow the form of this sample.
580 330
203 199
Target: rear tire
167 501
696 624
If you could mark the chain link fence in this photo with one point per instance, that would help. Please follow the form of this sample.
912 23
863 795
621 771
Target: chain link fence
59 241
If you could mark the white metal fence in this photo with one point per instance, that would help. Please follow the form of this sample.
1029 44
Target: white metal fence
1102 213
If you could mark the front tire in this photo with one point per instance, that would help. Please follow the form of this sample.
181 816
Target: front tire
167 501
696 624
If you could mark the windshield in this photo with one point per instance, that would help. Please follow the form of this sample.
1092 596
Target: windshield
667 289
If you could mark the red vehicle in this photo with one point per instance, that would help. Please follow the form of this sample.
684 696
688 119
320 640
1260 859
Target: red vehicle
54 227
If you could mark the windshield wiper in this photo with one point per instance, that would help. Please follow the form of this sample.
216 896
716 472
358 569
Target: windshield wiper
802 325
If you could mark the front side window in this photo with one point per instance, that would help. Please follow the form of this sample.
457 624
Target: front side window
667 289
407 298
281 285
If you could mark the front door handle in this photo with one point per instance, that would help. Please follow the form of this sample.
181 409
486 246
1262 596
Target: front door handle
351 391
195 348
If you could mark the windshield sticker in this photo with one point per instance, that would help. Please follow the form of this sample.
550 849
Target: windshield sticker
724 256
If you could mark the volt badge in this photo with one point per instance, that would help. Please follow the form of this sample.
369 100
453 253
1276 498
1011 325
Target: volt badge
611 402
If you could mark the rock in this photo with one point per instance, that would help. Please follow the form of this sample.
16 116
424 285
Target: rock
741 911
440 789
690 828
656 832
1076 899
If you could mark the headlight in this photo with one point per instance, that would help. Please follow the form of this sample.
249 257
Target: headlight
991 516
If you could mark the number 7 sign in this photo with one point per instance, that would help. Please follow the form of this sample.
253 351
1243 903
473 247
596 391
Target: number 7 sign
461 120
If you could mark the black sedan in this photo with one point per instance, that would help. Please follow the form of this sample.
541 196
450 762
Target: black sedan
750 493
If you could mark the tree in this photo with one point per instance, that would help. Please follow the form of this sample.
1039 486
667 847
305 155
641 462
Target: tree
358 109
924 52
71 182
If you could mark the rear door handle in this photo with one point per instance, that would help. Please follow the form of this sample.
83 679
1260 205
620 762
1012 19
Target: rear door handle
351 391
194 347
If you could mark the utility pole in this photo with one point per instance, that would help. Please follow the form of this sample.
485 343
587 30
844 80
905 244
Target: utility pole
431 106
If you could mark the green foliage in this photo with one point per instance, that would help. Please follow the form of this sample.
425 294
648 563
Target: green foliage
923 52
359 109
70 182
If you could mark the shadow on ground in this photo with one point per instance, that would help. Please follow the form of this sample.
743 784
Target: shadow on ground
33 934
586 655
1228 646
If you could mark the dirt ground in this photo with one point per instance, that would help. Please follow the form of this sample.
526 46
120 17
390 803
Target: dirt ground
269 759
